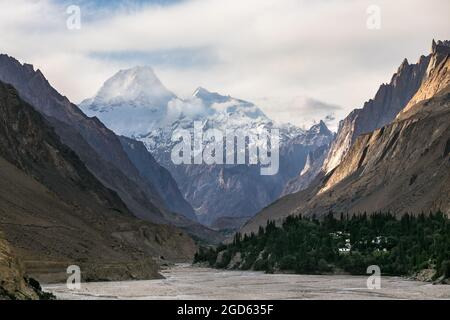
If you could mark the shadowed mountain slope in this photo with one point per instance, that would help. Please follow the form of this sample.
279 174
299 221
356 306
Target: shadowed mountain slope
55 213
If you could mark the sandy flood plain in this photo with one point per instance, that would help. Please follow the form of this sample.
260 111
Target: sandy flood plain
191 282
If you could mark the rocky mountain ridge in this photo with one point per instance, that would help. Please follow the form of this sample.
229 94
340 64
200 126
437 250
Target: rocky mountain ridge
389 100
402 167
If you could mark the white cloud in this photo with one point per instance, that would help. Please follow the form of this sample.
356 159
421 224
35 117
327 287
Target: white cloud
259 48
302 110
190 108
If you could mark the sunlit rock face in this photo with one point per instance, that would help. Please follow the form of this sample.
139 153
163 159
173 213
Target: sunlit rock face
383 108
436 80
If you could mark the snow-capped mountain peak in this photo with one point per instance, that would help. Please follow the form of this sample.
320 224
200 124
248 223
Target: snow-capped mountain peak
131 103
209 97
128 104
226 108
138 83
320 128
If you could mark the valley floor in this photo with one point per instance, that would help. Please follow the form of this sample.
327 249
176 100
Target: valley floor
191 282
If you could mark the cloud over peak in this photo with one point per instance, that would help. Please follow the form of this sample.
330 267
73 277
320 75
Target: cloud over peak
250 49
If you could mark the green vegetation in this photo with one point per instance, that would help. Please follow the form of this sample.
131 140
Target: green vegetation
348 243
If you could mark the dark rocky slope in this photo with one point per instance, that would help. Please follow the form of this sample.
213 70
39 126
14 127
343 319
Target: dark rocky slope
158 176
55 213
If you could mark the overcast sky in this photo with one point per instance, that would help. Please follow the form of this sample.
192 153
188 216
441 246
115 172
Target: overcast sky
301 61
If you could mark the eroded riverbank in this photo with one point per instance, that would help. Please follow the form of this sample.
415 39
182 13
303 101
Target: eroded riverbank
190 282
